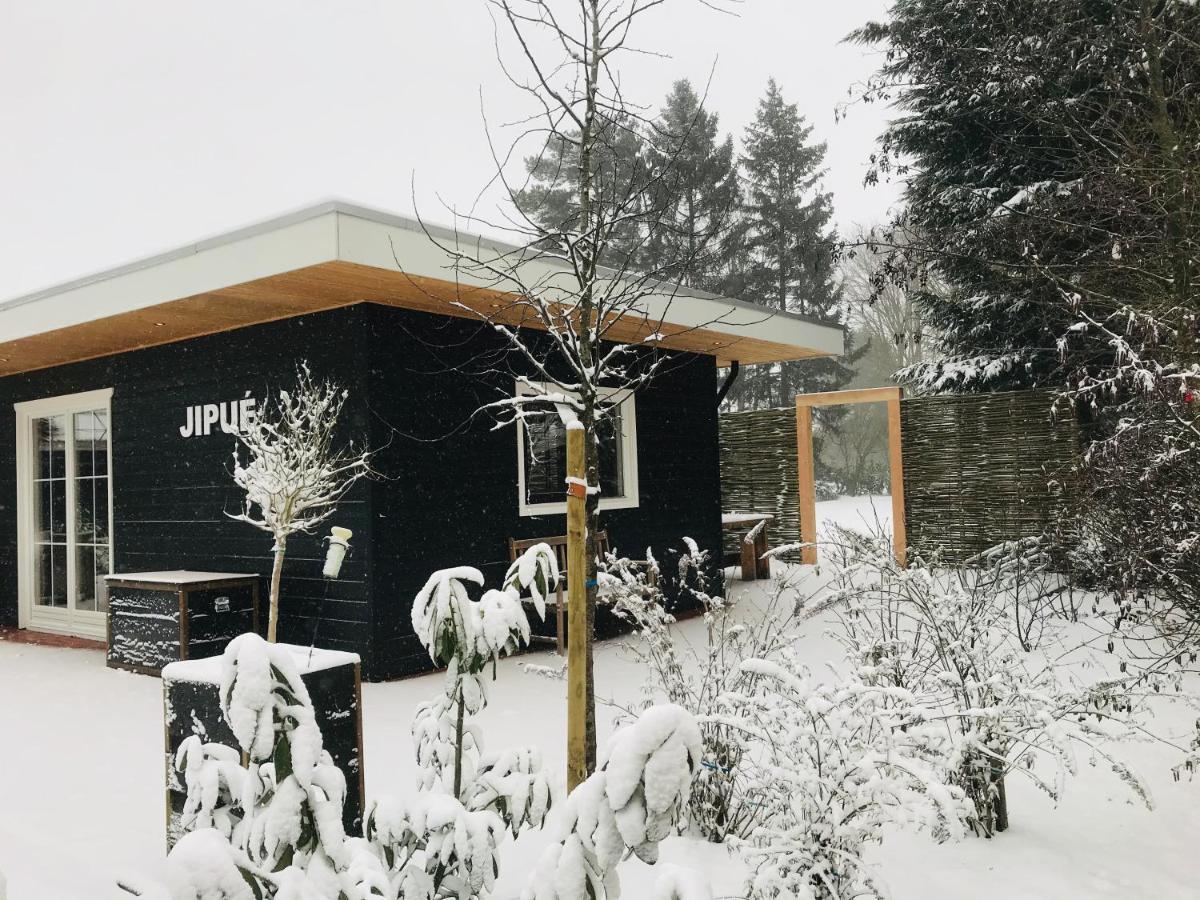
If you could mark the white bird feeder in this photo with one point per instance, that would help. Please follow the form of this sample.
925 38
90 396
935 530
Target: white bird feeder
339 543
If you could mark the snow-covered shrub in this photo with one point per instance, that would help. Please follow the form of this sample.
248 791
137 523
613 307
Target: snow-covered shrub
835 763
295 473
1013 685
628 805
697 677
464 636
827 489
273 828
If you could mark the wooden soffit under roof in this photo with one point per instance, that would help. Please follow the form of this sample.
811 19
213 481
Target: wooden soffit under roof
333 256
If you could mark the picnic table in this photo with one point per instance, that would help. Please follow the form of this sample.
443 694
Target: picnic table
753 546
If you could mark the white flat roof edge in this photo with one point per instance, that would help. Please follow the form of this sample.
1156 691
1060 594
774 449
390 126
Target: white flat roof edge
821 336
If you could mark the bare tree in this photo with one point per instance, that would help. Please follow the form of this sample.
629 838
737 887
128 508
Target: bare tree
883 307
295 472
573 276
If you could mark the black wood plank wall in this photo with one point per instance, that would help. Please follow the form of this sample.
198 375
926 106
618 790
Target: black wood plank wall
448 495
170 494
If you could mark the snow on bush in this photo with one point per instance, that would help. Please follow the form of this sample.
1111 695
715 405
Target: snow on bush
464 636
834 765
629 805
278 820
273 828
723 802
1015 684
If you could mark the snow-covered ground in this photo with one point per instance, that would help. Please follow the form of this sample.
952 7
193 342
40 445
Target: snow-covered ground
81 801
870 513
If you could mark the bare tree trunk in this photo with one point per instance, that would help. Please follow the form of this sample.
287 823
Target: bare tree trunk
588 271
1178 230
1001 801
593 551
276 574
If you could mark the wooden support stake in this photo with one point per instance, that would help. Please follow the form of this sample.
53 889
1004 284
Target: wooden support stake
896 477
807 487
577 620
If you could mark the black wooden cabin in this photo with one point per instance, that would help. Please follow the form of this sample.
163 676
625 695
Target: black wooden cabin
113 458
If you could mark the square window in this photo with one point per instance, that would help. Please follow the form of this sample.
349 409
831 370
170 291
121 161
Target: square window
542 456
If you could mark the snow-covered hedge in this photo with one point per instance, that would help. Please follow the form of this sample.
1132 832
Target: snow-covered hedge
1019 687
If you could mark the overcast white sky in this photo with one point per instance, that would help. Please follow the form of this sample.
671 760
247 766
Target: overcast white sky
128 127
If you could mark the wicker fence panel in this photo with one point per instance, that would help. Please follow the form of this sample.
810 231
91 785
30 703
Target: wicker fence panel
978 469
759 471
983 468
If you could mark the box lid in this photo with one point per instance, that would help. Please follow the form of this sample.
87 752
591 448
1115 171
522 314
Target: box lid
178 577
307 659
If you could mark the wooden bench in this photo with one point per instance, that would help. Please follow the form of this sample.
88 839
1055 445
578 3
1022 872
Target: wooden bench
752 549
557 543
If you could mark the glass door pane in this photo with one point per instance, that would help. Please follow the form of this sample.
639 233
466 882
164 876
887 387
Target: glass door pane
50 511
90 483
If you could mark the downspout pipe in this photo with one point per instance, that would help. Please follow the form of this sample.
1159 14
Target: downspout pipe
734 368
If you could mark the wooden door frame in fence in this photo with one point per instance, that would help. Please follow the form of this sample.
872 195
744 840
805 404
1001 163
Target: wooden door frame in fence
804 458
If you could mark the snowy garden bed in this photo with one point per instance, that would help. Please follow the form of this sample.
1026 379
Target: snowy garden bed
79 812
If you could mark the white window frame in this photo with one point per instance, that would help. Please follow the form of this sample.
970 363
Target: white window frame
630 497
81 623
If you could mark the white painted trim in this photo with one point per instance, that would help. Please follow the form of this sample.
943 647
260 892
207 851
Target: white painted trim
61 621
631 496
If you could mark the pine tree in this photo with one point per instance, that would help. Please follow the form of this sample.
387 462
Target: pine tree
1046 149
787 253
1051 154
550 196
695 196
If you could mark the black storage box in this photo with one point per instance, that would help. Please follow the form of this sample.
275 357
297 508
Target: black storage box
191 698
156 618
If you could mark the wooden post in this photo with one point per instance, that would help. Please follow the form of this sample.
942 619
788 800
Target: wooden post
807 487
896 477
577 620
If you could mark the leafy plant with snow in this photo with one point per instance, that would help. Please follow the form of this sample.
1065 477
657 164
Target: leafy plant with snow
954 639
464 636
630 804
723 803
295 471
835 764
273 828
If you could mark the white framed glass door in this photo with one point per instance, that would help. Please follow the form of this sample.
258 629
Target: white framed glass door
64 504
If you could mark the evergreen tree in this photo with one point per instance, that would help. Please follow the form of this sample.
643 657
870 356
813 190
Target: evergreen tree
786 257
1051 154
550 196
695 195
1047 150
